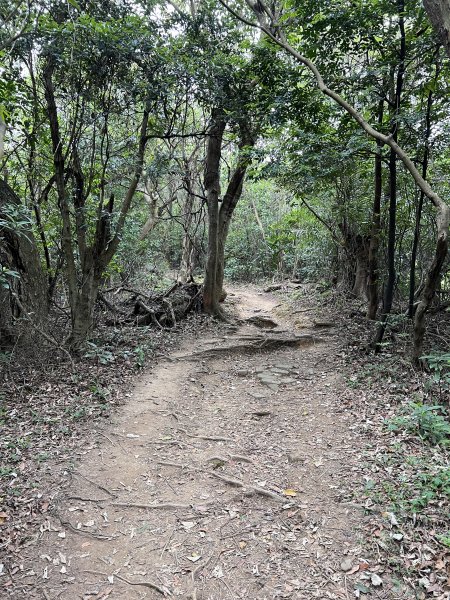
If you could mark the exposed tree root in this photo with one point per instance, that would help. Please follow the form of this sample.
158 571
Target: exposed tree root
149 584
262 322
251 344
249 490
162 505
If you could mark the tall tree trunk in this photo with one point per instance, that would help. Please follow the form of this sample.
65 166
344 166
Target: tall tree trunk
390 284
374 244
211 293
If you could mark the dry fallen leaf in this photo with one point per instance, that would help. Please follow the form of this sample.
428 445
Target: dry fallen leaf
376 580
194 558
289 492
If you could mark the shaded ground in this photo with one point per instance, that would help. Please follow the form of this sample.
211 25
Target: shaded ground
225 477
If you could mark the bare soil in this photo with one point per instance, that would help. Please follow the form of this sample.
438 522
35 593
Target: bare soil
221 477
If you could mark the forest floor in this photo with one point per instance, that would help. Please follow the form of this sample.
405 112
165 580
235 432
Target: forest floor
228 473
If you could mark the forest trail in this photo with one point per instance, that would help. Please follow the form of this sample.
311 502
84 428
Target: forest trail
245 463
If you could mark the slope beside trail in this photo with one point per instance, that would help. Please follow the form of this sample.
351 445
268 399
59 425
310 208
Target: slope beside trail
226 475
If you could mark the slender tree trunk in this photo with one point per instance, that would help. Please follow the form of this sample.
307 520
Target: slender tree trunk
374 244
187 253
392 228
359 289
230 200
82 321
415 246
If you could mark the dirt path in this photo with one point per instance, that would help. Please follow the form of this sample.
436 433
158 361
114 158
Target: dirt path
220 478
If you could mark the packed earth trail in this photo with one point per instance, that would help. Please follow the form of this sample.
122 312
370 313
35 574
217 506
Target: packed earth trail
226 475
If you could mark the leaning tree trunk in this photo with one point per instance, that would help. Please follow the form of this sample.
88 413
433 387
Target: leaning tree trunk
230 200
26 295
232 197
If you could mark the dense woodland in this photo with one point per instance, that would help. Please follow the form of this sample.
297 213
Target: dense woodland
143 138
152 151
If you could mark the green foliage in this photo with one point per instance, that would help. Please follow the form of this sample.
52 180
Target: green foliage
428 422
100 353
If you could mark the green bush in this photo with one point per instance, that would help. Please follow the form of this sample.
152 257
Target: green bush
430 423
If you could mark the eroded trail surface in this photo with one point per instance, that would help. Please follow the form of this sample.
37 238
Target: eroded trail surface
222 477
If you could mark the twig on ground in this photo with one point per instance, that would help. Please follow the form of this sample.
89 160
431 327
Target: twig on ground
108 438
81 499
100 487
168 463
197 570
167 543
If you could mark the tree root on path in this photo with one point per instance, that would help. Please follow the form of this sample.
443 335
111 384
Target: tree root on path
100 487
209 438
97 536
162 505
252 344
249 490
149 584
